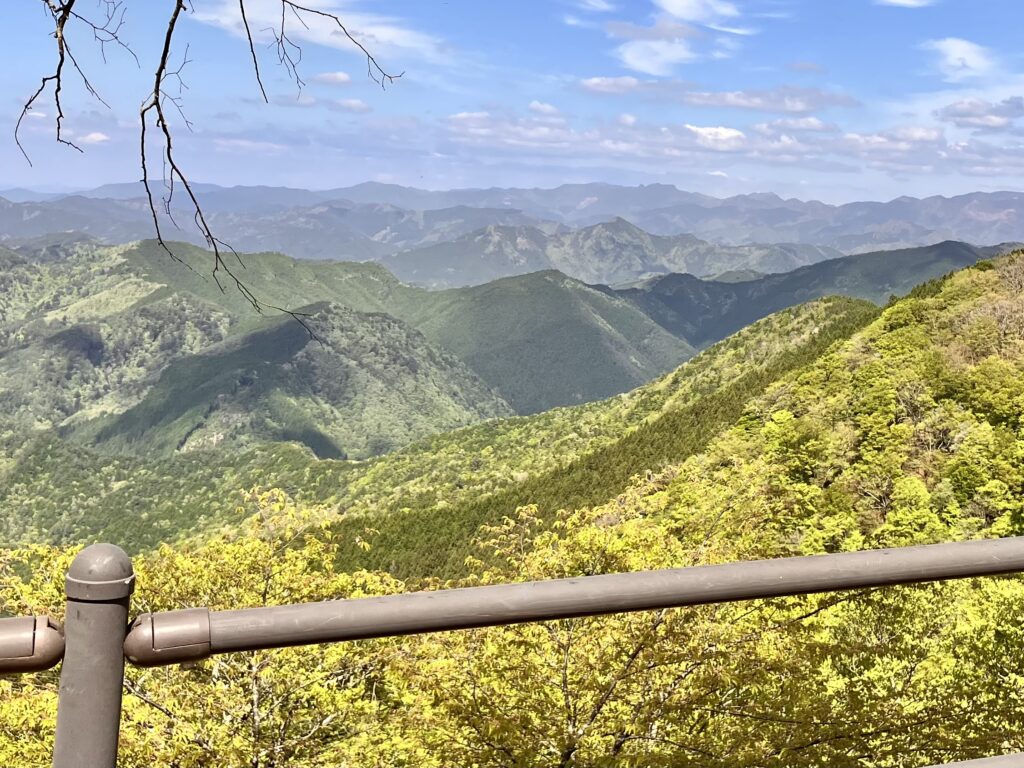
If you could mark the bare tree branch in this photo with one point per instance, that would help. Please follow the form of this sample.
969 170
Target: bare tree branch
153 114
61 13
373 70
252 50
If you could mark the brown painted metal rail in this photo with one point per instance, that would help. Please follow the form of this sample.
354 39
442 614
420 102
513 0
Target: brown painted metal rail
94 642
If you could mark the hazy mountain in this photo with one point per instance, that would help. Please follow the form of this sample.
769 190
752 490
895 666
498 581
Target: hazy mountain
855 227
704 311
980 217
22 195
371 220
610 252
336 229
342 229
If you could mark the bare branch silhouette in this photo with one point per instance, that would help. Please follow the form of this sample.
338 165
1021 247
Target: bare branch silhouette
166 96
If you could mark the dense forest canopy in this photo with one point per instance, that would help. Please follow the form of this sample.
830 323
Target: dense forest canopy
905 431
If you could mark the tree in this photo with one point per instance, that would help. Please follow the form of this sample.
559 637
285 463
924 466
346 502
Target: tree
164 101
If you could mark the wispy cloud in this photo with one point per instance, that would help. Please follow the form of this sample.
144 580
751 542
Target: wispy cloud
543 108
332 78
351 105
807 67
906 3
797 125
718 137
982 114
958 59
663 28
703 11
95 137
655 57
784 99
248 146
386 36
655 49
623 84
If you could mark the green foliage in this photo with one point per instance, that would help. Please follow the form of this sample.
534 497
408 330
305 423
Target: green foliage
901 432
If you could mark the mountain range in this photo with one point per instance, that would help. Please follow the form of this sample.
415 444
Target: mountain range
125 349
447 238
611 252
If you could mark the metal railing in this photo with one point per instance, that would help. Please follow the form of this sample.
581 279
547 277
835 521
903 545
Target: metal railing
96 637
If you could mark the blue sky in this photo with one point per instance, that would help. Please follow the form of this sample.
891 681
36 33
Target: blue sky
827 99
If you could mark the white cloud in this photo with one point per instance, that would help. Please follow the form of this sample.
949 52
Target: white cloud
718 137
916 133
719 174
662 29
655 57
332 78
596 6
352 105
960 59
811 124
699 10
792 100
786 99
906 3
627 119
741 31
386 36
96 137
542 108
622 84
980 113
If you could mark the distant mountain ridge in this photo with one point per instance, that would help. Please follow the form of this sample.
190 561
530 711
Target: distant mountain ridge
369 220
705 311
610 252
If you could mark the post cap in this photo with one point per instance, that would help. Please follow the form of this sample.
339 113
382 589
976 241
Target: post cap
100 572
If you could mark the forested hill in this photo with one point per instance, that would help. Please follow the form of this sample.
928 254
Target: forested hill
704 311
427 499
827 428
126 349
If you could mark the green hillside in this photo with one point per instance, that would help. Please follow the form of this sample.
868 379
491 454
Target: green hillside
540 340
365 385
448 486
543 340
126 348
428 498
704 311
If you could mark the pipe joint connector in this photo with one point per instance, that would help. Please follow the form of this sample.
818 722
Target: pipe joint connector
30 644
171 637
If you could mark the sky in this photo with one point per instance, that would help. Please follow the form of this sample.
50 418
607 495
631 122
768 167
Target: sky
835 100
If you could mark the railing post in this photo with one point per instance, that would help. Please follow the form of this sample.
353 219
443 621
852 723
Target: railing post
99 584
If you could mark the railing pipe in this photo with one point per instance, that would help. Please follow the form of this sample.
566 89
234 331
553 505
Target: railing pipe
98 585
1005 761
30 644
168 638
